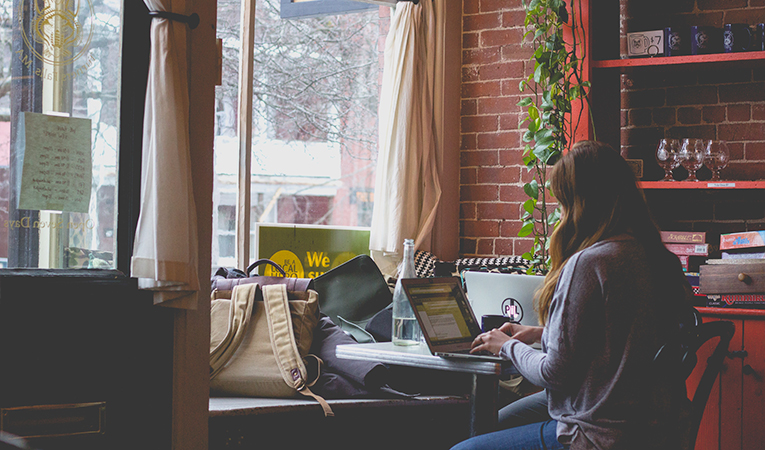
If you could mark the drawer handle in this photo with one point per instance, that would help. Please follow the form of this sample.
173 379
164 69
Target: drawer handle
744 278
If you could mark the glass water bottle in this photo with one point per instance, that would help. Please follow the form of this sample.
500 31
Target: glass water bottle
406 331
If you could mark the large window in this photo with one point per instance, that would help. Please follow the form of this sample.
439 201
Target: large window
60 72
314 120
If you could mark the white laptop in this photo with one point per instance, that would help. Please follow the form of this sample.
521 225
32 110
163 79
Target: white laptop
446 320
505 294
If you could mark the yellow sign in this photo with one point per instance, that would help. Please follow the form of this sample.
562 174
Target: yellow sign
289 262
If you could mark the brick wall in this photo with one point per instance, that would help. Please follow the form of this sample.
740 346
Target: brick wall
712 104
493 64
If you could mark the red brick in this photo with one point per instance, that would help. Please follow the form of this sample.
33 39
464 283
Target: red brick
640 117
736 150
511 69
742 92
469 142
510 228
739 113
510 88
467 246
496 211
717 5
664 116
494 38
503 247
470 74
751 131
481 22
468 211
498 5
479 158
744 171
496 140
478 193
646 98
689 116
691 95
509 121
746 15
481 55
469 107
512 194
481 89
497 175
713 114
758 111
470 40
497 105
522 246
513 18
513 156
471 7
485 247
479 123
480 228
468 176
754 151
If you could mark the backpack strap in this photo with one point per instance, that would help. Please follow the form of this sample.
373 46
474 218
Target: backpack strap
240 312
283 343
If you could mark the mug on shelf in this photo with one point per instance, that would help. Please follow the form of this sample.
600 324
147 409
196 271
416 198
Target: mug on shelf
737 37
759 37
704 40
676 41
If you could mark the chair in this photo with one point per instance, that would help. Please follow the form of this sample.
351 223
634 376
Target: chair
681 360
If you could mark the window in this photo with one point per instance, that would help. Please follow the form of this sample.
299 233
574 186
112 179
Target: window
314 119
60 117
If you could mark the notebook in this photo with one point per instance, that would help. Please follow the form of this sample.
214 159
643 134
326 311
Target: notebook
445 317
503 294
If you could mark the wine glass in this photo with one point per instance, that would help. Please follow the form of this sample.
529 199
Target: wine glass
692 156
716 157
667 157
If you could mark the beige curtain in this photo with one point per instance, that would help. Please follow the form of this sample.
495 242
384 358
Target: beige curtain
165 250
407 188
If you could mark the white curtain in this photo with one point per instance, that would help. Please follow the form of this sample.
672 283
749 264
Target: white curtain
407 188
165 250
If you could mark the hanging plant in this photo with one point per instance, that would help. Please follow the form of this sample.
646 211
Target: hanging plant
555 84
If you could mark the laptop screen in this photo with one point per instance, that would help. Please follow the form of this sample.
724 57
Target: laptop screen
442 310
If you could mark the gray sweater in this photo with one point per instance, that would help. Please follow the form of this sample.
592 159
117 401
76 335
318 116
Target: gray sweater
609 315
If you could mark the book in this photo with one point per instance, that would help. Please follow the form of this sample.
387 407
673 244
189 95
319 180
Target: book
689 249
744 254
684 237
746 239
755 301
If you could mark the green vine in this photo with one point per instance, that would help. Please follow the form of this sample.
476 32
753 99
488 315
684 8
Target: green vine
555 84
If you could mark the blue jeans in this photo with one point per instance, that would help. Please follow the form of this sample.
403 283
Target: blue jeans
536 436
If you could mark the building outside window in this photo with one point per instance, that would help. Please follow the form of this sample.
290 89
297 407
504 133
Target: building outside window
60 77
314 120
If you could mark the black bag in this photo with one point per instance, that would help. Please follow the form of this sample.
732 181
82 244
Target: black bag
351 293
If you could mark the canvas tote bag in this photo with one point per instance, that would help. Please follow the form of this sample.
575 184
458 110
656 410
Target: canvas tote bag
259 342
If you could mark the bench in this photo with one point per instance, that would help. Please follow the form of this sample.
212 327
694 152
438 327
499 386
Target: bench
430 422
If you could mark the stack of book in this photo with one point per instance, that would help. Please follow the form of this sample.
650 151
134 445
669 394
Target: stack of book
747 247
687 245
691 248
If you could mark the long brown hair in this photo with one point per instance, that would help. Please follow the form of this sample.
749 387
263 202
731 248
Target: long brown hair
599 198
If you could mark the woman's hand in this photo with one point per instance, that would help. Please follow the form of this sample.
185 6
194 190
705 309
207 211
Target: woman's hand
491 342
524 333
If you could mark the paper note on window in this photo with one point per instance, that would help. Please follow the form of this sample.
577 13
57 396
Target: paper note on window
55 158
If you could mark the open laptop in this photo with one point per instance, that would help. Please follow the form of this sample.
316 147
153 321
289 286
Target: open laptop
505 294
445 317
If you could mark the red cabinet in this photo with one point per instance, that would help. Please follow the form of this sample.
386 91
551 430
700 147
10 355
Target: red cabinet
735 413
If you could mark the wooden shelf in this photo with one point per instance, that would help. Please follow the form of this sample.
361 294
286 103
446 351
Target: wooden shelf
722 59
732 184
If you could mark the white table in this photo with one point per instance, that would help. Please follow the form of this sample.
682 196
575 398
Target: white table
485 375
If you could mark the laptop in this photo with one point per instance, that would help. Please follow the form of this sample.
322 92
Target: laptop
445 317
505 294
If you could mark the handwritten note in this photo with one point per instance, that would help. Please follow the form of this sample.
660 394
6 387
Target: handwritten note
57 169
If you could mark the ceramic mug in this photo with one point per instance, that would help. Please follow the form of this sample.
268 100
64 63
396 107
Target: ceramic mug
675 41
737 37
759 37
704 40
492 321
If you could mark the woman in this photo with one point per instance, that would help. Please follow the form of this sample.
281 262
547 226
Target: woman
612 297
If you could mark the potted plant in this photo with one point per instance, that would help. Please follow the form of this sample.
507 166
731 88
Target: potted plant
556 83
